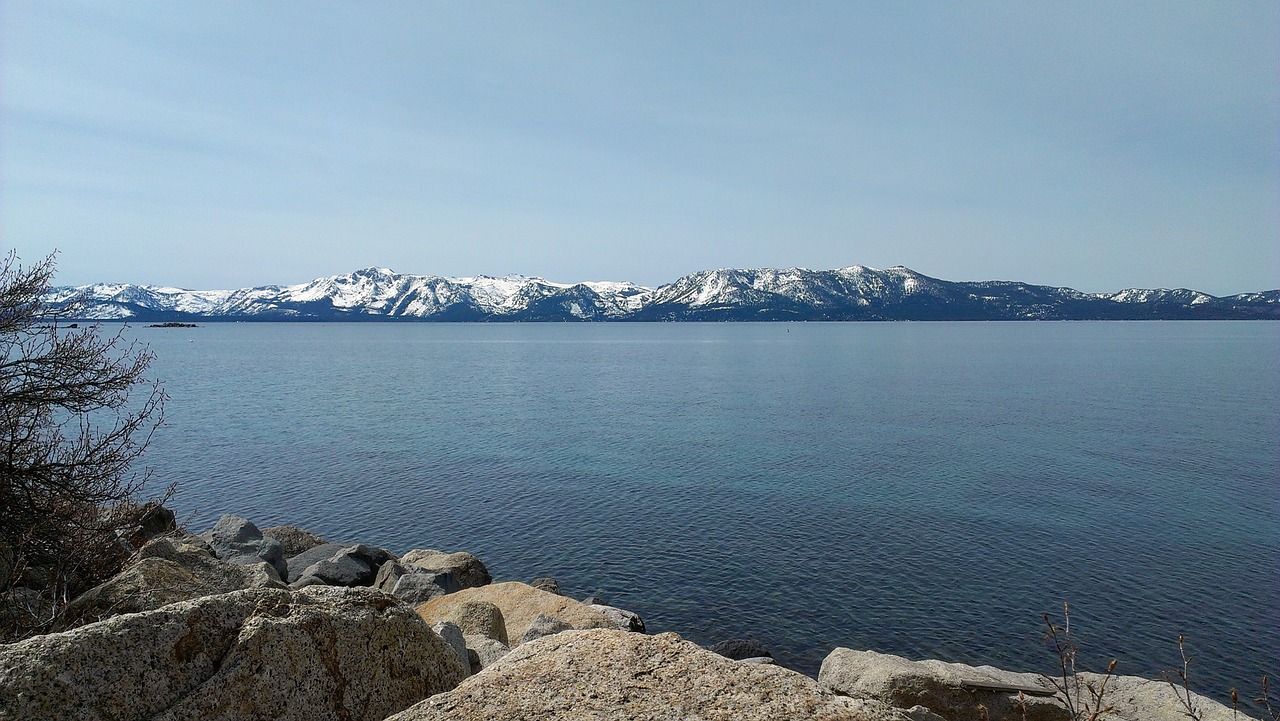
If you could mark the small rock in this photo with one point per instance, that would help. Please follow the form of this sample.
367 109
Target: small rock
550 585
415 588
343 569
294 540
595 601
388 574
740 648
452 635
486 650
543 625
624 620
757 660
237 540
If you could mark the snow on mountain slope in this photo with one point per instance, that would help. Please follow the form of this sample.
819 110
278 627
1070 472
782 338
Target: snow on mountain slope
368 292
1160 295
851 293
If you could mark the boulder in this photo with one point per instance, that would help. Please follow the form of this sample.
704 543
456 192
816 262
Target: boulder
452 635
388 574
339 564
622 619
237 540
480 618
322 653
610 675
520 604
294 540
740 648
595 601
468 569
550 585
484 651
542 625
415 588
166 573
1140 699
951 690
344 569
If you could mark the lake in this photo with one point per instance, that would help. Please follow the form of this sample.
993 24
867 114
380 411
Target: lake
923 489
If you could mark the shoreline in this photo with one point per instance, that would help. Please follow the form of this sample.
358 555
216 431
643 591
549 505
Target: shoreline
495 630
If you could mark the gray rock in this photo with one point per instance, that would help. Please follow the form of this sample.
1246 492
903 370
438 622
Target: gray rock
340 564
294 540
623 619
468 569
595 601
608 675
299 563
237 540
452 635
550 585
543 625
415 588
388 574
950 690
258 654
344 569
486 651
739 648
756 660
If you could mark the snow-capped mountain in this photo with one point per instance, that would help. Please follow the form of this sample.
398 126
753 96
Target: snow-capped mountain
852 293
369 294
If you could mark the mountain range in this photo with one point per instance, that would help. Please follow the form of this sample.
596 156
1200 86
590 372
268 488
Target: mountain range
763 294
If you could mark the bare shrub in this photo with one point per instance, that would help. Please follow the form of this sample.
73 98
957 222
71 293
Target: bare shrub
69 436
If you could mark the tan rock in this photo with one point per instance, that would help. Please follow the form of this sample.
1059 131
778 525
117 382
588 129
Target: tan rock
519 603
1140 699
322 653
466 568
480 618
168 571
954 691
951 690
611 675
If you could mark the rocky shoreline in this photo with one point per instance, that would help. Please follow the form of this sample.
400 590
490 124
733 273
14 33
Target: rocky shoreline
239 623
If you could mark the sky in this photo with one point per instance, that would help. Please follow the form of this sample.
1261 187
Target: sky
209 145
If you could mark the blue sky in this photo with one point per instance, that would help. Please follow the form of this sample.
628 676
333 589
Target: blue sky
1097 145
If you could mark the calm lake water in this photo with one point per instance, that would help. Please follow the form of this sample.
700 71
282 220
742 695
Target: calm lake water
924 489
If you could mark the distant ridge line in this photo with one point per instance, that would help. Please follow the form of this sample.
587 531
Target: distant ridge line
852 293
